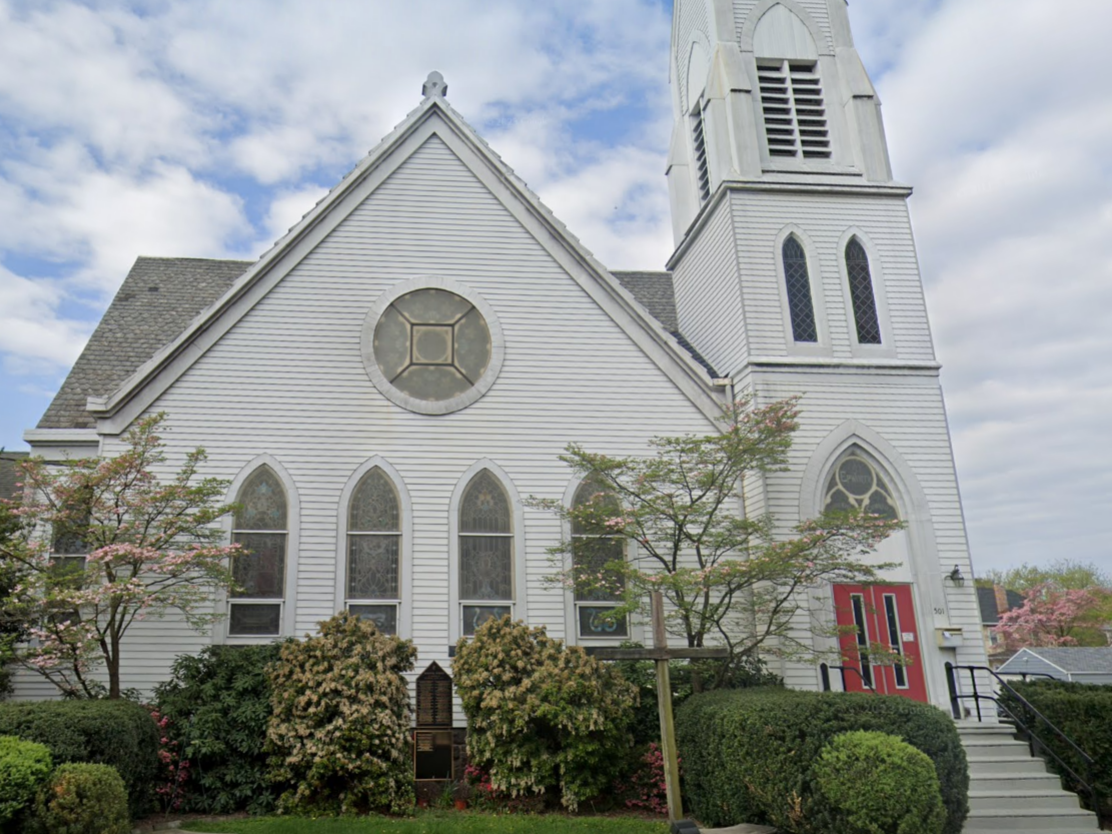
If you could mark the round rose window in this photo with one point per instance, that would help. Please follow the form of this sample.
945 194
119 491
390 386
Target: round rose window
431 350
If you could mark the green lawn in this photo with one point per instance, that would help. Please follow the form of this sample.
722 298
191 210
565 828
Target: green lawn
433 822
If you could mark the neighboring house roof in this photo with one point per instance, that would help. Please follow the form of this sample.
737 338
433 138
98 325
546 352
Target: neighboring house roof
155 303
1074 660
9 474
162 296
990 612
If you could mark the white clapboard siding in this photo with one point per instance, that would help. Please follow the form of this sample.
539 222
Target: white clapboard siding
907 411
825 219
288 381
708 293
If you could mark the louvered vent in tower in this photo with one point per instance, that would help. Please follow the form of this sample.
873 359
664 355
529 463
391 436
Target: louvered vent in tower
794 113
701 167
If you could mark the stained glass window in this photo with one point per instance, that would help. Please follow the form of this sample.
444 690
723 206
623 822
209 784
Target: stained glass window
374 550
432 344
800 307
485 551
861 293
855 484
595 552
260 570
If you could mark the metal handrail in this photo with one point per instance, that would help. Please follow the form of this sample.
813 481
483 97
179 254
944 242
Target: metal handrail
825 668
1035 744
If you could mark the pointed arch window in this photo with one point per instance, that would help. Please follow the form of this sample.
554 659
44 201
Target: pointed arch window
261 528
798 285
374 542
486 552
856 484
595 550
861 293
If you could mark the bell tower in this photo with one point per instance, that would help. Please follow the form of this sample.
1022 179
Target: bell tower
795 274
766 90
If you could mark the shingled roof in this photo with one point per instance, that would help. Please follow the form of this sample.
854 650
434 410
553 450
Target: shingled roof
161 296
9 475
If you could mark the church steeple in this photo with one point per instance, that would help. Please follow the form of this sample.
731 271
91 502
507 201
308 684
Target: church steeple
773 90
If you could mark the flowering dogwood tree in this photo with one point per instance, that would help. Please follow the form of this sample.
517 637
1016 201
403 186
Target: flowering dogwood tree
1053 616
109 544
728 578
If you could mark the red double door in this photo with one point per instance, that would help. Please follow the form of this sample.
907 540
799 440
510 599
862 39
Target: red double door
879 637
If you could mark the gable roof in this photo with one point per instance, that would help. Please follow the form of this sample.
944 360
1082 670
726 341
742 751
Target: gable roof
155 303
1072 659
990 611
118 402
161 296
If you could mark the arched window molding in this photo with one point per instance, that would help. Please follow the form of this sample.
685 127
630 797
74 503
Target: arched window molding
518 605
821 344
926 569
288 602
405 549
748 30
886 346
596 630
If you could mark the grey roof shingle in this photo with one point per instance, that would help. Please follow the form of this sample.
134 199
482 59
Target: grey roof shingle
9 475
1076 659
654 291
986 600
159 297
656 294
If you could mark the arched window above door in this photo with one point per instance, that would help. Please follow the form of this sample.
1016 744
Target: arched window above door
857 484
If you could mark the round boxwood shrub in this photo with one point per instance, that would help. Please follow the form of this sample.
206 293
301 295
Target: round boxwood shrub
339 734
875 783
24 766
748 753
82 799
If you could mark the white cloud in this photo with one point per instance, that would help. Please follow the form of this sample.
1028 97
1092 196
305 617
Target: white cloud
32 336
998 112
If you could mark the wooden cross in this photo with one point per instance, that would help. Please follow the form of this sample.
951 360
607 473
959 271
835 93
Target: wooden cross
660 654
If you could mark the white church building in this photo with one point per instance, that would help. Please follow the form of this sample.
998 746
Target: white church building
387 385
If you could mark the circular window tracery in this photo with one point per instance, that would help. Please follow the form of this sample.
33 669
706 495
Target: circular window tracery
855 485
432 349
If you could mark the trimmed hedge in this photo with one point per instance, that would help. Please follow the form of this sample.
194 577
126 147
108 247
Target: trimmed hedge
24 766
1084 713
81 799
117 733
748 754
874 783
218 706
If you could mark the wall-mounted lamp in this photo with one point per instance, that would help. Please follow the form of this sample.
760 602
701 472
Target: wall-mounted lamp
956 576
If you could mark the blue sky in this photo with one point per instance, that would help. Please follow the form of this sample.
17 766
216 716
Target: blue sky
207 128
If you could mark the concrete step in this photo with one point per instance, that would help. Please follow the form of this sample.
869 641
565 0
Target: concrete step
1014 781
1010 790
995 765
1010 801
1044 822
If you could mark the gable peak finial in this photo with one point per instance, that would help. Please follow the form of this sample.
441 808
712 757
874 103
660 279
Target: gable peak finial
434 86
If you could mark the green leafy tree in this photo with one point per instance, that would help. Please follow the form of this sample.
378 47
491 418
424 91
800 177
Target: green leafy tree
729 580
105 544
1063 574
